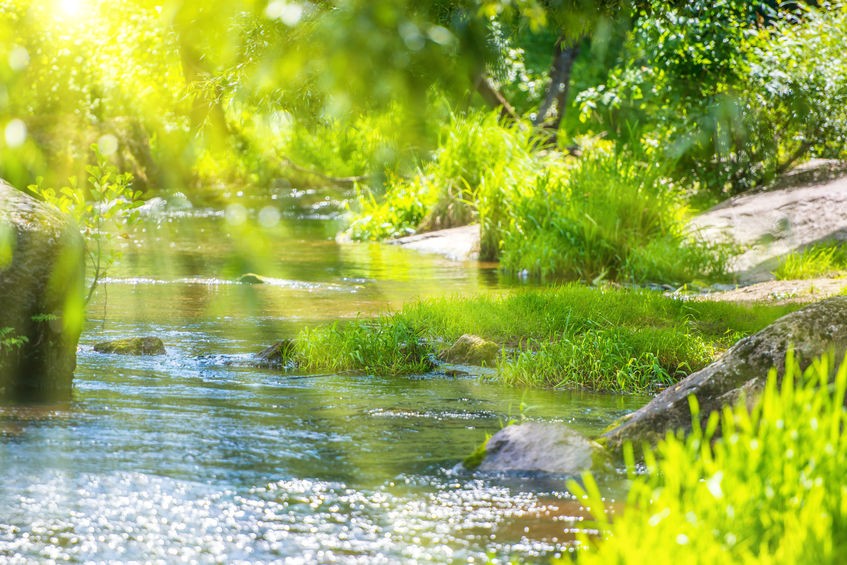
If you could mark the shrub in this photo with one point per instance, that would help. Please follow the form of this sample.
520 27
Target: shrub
730 92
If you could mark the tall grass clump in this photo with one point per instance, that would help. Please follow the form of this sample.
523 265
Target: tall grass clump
385 346
611 218
769 487
477 159
816 261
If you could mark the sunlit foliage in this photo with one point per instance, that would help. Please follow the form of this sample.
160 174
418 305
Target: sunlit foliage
769 488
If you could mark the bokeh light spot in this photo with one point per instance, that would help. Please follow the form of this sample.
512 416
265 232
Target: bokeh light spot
18 58
15 133
236 214
107 144
269 217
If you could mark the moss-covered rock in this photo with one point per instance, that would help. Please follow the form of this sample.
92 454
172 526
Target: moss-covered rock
472 350
740 373
132 346
42 270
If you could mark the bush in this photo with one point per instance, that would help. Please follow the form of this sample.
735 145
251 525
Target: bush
769 488
729 92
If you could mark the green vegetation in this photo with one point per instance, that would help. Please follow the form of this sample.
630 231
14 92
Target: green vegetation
578 134
10 340
568 337
103 209
823 260
386 346
769 487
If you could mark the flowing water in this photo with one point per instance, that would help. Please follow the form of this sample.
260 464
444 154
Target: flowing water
199 457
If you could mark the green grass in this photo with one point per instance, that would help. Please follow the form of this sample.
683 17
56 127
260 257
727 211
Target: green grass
544 214
568 337
823 260
476 155
385 346
611 217
770 490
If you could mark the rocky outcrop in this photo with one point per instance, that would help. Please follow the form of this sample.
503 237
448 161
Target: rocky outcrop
472 350
541 447
132 346
740 373
768 224
42 271
456 244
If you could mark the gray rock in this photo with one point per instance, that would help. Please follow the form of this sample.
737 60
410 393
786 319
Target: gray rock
740 373
472 350
132 346
546 447
279 355
42 270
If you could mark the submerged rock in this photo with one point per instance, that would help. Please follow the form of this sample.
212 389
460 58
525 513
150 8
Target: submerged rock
740 373
42 269
132 346
472 350
251 278
278 356
546 447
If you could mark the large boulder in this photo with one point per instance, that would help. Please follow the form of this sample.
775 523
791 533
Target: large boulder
740 373
42 270
537 447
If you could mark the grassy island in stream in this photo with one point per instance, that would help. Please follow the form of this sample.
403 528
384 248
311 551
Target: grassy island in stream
573 336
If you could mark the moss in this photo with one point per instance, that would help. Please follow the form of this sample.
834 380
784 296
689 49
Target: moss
472 350
474 460
132 346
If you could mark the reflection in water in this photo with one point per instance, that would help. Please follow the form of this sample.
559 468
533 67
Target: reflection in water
197 456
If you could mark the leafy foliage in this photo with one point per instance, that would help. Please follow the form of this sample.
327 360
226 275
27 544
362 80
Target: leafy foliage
729 99
10 340
103 207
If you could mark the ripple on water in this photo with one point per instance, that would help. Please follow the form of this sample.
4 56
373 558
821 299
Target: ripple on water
130 516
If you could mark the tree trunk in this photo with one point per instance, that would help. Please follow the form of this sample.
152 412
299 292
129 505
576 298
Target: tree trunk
552 110
492 96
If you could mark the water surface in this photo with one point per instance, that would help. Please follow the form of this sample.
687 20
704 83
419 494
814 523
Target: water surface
198 456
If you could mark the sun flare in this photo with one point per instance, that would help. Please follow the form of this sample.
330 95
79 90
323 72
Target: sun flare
71 8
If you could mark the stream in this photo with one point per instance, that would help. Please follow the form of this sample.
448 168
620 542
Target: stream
198 457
